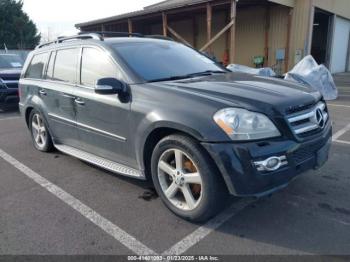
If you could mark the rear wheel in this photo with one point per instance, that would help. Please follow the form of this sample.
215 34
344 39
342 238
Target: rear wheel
187 179
39 132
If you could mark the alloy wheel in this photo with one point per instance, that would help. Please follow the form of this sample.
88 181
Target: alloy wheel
180 179
39 130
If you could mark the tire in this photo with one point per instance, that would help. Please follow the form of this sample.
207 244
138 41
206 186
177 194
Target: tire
3 108
39 132
172 184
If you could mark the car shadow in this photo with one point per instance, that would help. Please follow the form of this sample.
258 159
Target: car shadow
287 222
9 111
149 193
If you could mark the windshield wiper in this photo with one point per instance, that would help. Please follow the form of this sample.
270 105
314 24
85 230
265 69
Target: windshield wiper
170 78
204 73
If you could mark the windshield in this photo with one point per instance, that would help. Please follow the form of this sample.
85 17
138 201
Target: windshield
165 60
10 61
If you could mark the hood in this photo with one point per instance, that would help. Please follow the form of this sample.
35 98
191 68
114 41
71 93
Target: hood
255 93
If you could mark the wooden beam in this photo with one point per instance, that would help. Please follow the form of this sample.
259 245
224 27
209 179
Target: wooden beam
209 22
165 24
130 26
267 35
178 36
227 27
233 32
289 30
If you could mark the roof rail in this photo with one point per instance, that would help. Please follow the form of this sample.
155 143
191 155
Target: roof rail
115 34
45 44
99 35
81 37
75 37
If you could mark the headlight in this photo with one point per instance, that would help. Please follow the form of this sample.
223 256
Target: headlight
241 124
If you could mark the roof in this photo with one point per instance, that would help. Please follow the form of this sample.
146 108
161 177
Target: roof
167 3
159 7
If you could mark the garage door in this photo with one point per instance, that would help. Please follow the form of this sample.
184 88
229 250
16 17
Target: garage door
340 54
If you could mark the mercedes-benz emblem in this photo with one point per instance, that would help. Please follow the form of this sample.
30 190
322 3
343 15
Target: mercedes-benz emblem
320 118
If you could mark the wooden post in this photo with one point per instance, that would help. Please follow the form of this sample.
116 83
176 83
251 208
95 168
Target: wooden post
267 35
165 24
310 30
233 31
209 23
289 30
227 37
195 32
129 26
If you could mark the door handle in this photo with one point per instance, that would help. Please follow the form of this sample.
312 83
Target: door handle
79 101
42 92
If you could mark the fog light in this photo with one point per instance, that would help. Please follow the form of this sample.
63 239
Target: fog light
271 164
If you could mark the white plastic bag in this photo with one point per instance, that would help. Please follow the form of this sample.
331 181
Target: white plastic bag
265 71
308 72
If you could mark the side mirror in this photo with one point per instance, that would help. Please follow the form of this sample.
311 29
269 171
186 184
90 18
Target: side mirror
105 86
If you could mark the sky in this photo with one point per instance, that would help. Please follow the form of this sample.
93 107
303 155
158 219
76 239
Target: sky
57 17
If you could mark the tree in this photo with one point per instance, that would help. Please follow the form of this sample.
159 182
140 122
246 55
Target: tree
17 30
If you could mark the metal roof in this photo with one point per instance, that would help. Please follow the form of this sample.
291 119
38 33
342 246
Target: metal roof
161 6
166 3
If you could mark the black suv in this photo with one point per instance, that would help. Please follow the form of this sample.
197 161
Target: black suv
10 71
155 109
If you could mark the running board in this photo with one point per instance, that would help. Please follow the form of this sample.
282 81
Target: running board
101 162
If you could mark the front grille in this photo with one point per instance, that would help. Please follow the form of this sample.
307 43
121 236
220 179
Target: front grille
309 121
304 153
296 109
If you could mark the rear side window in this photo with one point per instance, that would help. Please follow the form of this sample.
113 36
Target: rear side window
96 64
65 68
36 67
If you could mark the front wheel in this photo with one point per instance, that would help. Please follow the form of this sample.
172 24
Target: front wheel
39 132
186 179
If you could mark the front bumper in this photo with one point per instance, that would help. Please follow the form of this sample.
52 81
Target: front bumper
236 162
9 97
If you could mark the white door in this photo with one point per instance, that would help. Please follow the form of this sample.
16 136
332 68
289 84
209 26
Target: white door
339 55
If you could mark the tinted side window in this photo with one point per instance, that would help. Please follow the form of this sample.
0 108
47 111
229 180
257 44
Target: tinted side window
36 67
96 64
66 65
50 67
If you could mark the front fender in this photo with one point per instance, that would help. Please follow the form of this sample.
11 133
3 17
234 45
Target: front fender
145 131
